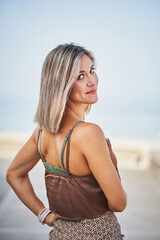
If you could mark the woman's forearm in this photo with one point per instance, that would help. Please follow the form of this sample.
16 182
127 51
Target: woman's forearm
24 190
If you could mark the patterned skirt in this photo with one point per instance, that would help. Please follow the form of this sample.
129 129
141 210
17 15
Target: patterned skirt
105 227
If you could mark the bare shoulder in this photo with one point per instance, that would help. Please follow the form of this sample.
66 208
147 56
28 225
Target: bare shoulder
32 142
34 138
89 132
35 135
92 130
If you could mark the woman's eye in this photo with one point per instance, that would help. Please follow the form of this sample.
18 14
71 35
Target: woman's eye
81 76
93 70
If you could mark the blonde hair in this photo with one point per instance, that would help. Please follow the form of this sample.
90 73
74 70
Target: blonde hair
59 72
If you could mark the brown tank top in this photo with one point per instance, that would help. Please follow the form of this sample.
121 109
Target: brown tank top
72 197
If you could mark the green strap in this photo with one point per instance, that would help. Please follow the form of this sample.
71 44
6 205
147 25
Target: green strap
48 166
65 141
40 146
55 169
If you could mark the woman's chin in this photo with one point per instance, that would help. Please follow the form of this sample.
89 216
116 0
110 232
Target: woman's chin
93 101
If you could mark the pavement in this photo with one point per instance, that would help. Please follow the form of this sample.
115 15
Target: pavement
139 221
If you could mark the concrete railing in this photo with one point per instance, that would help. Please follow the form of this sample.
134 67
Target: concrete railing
132 154
10 143
155 167
136 154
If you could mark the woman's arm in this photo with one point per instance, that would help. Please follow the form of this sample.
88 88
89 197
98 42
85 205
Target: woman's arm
111 153
98 156
17 176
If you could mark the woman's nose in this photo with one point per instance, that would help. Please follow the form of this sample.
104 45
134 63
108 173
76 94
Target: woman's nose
92 80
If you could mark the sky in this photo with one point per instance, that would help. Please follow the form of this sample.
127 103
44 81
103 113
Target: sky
124 36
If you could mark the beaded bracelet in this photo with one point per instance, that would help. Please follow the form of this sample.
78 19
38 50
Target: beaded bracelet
42 215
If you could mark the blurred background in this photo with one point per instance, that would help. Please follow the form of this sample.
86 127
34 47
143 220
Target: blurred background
124 36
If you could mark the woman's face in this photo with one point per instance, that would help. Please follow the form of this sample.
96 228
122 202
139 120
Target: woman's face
85 88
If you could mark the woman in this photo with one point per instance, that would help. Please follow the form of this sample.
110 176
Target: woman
82 181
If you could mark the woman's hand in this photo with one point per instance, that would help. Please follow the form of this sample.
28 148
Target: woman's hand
112 155
51 218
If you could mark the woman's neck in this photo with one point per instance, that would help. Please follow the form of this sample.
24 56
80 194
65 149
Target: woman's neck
77 111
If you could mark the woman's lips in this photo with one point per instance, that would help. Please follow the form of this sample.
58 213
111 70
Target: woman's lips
92 91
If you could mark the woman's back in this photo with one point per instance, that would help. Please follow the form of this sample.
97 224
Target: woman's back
72 196
51 148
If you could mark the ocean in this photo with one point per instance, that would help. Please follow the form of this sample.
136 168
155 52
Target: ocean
133 121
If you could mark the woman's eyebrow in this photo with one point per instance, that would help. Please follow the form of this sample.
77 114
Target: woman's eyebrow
84 70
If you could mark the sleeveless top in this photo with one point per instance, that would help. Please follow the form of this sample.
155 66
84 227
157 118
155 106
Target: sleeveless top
72 197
